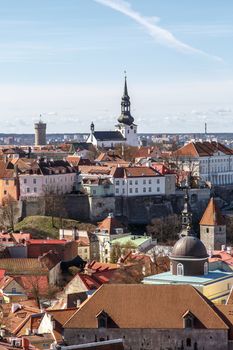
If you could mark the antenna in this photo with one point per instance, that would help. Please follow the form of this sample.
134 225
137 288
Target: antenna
205 128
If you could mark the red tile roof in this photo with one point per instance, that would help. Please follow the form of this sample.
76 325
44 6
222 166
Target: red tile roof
212 215
46 241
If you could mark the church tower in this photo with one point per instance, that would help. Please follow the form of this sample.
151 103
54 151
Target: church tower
213 227
186 217
126 124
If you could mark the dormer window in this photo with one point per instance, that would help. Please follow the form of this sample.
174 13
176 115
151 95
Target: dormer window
102 319
105 321
188 320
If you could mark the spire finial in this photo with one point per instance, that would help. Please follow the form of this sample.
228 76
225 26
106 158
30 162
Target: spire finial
125 88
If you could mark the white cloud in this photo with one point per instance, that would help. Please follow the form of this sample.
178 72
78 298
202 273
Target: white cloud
159 34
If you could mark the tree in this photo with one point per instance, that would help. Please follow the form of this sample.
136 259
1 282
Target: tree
54 204
165 229
118 250
9 212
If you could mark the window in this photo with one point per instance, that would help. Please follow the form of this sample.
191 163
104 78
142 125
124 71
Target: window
13 290
34 181
130 190
220 229
188 321
188 342
158 181
5 192
144 182
28 190
158 189
123 191
149 189
94 191
136 182
117 183
136 190
207 230
24 181
206 268
117 190
144 189
106 251
180 270
35 189
149 181
7 182
130 182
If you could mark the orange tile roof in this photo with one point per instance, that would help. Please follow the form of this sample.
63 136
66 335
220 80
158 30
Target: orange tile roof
212 215
219 255
22 266
134 171
146 306
202 149
110 223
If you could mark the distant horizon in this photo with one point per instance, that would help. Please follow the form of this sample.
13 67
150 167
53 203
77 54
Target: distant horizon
66 61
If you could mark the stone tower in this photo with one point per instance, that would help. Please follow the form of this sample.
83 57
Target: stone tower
126 124
213 227
40 133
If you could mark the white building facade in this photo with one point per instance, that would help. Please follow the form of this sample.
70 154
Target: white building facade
138 181
209 161
125 131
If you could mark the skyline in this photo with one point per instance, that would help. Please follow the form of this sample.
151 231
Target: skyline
66 61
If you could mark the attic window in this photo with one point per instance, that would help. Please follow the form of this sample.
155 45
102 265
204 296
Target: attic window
102 320
188 320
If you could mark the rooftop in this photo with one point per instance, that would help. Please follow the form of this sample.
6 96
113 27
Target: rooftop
136 240
169 278
212 215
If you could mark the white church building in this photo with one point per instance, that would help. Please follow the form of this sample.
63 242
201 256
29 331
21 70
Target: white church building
125 131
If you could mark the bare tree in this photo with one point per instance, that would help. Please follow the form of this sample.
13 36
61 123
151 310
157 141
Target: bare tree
54 204
9 212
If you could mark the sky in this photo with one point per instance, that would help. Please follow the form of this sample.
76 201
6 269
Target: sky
65 59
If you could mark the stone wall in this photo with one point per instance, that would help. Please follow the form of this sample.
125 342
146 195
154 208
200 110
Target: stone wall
137 210
152 339
100 207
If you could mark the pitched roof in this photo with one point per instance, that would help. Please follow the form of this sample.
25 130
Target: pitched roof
202 149
146 306
22 266
110 223
60 317
108 136
134 171
212 215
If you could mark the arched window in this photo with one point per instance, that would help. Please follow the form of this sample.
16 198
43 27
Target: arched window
206 268
180 269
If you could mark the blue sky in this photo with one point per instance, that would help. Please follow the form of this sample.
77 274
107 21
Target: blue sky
66 58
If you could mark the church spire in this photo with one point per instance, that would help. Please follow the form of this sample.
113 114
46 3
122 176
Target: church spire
125 87
125 117
186 217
